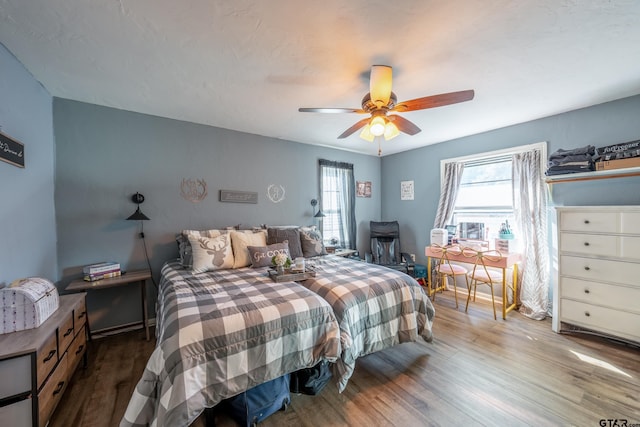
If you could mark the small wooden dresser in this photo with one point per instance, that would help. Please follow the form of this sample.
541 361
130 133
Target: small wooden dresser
37 364
598 269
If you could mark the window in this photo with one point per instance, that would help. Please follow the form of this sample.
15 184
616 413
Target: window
337 190
485 194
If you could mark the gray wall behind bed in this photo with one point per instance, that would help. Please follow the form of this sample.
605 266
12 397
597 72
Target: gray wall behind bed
104 155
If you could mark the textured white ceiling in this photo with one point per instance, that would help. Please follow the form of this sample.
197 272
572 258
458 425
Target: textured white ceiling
248 65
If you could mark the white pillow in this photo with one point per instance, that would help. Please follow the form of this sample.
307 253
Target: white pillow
211 253
239 242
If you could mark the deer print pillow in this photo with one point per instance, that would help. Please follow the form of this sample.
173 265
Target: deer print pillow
211 253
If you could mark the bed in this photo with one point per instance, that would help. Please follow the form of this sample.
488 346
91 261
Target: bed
222 332
376 308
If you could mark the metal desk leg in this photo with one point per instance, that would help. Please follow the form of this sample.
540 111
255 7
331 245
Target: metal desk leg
504 294
429 283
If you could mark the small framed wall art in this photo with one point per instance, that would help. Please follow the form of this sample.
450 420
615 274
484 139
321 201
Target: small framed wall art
363 189
406 190
11 151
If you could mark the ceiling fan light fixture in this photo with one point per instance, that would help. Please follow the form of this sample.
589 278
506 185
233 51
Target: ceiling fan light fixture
366 134
380 84
390 131
377 126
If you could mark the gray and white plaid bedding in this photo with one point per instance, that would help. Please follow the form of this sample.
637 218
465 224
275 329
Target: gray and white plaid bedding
221 333
376 307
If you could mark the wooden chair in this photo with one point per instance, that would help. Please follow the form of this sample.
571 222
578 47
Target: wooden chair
445 269
482 274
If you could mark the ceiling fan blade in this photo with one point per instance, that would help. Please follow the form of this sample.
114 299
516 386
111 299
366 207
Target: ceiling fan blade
332 110
380 84
404 125
434 101
354 128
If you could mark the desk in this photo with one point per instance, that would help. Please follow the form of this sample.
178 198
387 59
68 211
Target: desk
506 261
139 276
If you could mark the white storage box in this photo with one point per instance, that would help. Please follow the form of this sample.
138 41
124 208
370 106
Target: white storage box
26 304
506 245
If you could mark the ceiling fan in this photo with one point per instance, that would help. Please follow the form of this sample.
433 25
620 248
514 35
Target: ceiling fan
380 101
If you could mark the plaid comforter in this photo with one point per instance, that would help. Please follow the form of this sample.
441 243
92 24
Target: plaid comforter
223 332
376 307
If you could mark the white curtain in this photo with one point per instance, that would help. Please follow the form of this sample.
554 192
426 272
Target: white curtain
530 205
448 193
337 179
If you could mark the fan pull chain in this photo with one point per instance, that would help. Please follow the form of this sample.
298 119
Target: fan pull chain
379 148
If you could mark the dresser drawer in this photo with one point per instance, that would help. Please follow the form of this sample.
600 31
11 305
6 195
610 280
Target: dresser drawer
80 314
52 391
610 321
15 376
630 222
47 358
630 247
603 294
65 334
589 244
77 349
599 270
16 414
589 221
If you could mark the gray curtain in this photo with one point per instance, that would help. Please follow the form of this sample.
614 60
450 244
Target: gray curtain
530 205
448 193
341 174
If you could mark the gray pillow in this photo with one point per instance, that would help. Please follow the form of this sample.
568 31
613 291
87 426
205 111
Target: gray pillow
289 234
261 255
311 242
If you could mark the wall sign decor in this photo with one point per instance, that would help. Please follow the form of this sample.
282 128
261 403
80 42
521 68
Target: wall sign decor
238 196
11 151
363 189
193 190
406 190
275 193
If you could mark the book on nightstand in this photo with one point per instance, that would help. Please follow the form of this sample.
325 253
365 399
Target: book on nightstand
101 271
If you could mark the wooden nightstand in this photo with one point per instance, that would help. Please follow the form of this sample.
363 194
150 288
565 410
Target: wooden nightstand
138 276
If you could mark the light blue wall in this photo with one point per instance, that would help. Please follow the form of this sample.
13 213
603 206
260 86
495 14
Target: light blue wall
600 125
104 155
27 214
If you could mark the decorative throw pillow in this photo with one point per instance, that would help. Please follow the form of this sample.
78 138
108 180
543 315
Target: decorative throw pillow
290 234
261 255
211 253
240 240
184 247
311 242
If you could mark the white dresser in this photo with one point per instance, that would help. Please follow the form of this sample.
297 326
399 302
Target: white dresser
598 283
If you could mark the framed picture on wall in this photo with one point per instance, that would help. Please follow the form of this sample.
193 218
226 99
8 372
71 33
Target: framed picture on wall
406 190
11 151
363 188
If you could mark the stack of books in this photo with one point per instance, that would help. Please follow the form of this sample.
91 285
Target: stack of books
101 271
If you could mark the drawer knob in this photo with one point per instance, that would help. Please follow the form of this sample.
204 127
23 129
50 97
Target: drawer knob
586 313
586 291
586 243
58 388
66 334
81 315
80 349
587 268
586 221
49 356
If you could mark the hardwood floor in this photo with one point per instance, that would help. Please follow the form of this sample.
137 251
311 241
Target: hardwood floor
477 371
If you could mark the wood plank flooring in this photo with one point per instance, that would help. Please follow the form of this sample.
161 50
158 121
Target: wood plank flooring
477 371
